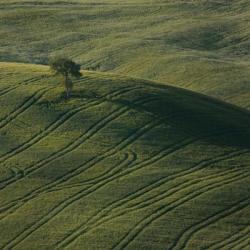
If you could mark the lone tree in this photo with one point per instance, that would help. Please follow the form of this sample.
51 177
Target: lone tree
66 68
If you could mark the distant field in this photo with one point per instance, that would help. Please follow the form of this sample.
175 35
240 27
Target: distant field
201 45
124 164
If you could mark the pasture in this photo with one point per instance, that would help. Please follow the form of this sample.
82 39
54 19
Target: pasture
125 163
152 150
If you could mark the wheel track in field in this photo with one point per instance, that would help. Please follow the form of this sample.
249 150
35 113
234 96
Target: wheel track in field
3 90
50 129
186 236
129 158
120 202
84 192
93 180
23 107
30 80
75 172
231 239
64 204
241 243
79 230
79 195
159 212
54 125
9 205
113 206
180 187
8 90
58 123
79 169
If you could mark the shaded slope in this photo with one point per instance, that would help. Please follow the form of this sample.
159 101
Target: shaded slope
126 163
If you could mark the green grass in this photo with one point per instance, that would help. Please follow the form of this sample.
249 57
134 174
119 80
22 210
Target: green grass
201 45
125 163
153 149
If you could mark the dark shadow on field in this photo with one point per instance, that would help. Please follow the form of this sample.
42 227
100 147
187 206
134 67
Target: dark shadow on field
61 98
85 94
197 115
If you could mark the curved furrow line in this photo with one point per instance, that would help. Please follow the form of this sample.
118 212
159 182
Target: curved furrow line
67 149
82 167
111 152
160 155
24 106
37 79
30 80
231 239
243 245
239 244
173 190
100 177
159 212
172 177
4 89
8 90
17 85
127 160
94 180
98 218
182 186
79 169
144 190
132 168
186 236
82 193
54 125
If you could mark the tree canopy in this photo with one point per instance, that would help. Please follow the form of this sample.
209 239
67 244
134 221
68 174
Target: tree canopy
66 68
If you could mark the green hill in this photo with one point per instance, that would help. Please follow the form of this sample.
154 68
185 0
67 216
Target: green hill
197 44
124 164
153 149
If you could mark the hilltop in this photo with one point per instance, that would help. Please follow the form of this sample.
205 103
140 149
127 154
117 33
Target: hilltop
200 45
125 163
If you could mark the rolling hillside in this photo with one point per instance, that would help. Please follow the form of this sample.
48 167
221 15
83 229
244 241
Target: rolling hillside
124 164
197 44
153 149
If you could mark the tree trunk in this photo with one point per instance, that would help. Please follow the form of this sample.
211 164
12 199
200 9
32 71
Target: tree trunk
67 90
67 93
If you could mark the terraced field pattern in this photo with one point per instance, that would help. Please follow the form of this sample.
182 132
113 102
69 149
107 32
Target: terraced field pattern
152 150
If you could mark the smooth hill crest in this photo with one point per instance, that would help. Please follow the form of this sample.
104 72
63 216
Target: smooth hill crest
192 113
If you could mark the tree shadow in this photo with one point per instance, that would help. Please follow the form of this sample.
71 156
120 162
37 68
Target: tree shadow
197 115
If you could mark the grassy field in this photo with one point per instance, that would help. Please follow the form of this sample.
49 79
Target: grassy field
197 44
126 163
153 149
